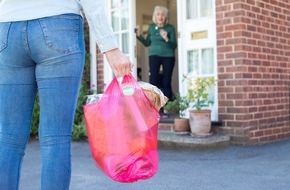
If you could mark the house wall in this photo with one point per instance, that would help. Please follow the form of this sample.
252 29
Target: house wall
253 52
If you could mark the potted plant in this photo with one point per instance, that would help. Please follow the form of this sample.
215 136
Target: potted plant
177 107
199 101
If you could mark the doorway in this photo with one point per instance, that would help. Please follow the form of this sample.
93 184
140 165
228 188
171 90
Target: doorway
144 11
197 44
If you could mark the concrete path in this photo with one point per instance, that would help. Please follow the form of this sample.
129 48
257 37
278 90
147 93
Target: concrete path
262 167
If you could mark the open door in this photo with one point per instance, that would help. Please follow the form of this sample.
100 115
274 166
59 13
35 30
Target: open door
122 16
197 43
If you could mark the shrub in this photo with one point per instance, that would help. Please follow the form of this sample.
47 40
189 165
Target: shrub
79 128
177 106
35 118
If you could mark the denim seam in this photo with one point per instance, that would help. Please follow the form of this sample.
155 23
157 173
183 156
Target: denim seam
4 45
25 39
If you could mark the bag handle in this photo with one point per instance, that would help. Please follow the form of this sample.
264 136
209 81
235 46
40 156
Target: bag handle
127 87
130 79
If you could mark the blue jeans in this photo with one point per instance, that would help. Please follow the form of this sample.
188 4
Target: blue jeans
46 56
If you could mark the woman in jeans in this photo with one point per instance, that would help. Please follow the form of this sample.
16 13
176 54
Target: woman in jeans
42 50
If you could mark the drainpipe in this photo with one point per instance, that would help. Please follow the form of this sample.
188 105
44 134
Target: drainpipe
93 64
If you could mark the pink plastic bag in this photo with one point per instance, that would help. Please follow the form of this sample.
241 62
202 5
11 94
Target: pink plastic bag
122 131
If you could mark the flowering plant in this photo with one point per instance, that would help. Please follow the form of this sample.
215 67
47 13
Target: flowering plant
198 91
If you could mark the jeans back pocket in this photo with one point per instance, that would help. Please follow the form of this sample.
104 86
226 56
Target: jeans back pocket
61 32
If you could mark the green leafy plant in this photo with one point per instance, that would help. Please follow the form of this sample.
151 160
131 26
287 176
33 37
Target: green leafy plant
198 91
79 128
79 131
35 118
177 106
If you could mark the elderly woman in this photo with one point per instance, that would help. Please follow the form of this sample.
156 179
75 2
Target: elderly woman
162 41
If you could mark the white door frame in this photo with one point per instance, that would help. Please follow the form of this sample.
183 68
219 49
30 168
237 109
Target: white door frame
108 74
93 64
185 42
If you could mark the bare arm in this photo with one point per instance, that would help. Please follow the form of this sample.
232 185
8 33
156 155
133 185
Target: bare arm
119 62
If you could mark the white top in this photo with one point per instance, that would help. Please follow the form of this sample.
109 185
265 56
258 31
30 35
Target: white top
19 10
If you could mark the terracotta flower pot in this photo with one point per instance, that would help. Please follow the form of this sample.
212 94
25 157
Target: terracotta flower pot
181 126
200 122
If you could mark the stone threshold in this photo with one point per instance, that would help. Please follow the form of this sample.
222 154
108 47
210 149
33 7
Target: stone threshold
171 140
168 138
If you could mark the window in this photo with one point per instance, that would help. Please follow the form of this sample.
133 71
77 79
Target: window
120 23
199 8
200 62
192 62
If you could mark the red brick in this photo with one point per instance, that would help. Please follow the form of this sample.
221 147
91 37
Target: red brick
254 77
258 133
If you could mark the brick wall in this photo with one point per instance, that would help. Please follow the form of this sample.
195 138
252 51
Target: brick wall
100 71
100 57
253 49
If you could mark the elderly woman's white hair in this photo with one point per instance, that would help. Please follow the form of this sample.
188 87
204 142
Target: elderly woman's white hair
160 8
